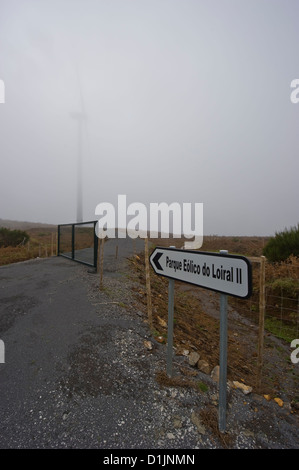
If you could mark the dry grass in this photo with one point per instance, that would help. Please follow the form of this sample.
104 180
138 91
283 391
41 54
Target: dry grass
196 327
209 418
246 246
284 270
43 243
178 381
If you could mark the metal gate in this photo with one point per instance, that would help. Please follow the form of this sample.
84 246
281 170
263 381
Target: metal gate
78 242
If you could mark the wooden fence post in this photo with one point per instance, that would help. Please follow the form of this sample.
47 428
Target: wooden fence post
148 284
262 304
101 242
98 255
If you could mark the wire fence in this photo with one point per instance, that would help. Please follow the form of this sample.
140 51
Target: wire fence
282 315
265 324
281 298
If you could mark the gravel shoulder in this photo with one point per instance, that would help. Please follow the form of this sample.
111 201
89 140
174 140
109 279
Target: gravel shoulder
78 373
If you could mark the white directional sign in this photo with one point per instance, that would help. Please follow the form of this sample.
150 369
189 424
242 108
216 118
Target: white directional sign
225 273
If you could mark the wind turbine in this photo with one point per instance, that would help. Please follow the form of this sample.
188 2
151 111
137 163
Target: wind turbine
80 117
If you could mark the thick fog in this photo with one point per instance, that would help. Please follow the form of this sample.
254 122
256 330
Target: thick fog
179 101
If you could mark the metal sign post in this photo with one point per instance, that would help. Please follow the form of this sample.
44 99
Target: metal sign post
223 360
220 272
223 363
170 327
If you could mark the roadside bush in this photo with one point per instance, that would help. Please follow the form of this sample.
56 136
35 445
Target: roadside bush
283 245
286 287
12 237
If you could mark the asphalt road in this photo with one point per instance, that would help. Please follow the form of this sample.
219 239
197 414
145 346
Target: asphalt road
77 373
55 385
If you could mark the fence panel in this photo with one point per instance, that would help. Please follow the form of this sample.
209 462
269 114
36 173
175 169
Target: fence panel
65 240
78 242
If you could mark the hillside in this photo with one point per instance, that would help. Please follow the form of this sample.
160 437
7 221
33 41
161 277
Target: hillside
19 225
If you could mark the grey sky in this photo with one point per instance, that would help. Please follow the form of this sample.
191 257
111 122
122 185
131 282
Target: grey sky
187 101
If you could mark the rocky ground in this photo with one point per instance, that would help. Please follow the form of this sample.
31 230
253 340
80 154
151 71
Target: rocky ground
188 402
84 370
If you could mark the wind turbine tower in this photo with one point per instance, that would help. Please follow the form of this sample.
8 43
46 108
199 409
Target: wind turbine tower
79 117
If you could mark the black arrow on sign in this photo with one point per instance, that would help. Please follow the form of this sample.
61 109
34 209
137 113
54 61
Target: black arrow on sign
156 261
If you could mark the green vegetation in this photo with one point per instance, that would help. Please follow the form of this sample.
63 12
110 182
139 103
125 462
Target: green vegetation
202 387
280 329
286 287
283 245
12 237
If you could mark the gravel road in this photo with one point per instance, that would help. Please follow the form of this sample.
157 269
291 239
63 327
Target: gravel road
77 373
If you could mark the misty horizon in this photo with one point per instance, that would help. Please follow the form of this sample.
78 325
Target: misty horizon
164 101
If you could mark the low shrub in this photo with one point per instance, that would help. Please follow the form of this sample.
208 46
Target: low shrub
12 237
283 245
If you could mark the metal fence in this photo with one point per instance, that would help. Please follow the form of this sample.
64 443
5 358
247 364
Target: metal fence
78 242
